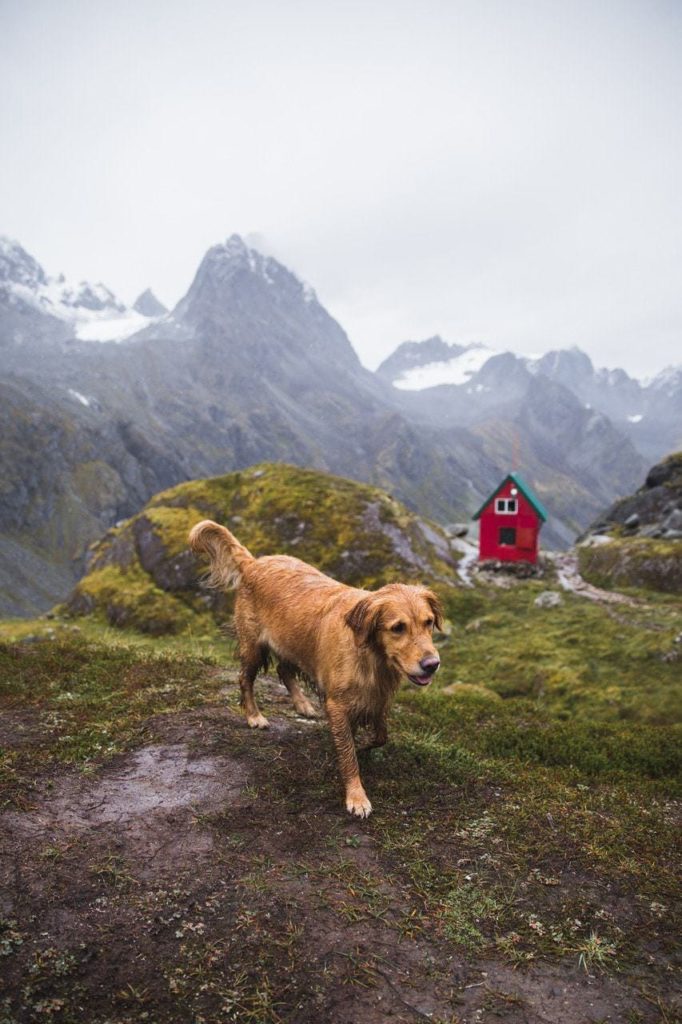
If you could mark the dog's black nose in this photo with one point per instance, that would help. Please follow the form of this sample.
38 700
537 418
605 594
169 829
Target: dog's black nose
429 665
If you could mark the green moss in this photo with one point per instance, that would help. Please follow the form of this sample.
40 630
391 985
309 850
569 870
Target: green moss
172 525
128 598
578 659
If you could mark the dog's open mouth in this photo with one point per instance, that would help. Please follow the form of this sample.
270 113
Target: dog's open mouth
422 680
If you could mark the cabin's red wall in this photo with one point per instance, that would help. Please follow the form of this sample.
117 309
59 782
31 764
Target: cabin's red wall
490 522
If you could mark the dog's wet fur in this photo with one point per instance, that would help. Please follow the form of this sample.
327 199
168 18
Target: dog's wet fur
355 645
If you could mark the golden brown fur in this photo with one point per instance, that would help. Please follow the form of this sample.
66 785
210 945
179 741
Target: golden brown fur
355 644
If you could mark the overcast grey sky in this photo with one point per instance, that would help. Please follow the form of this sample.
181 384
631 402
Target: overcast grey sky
507 172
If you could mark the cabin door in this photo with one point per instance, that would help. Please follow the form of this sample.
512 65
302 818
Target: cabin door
525 534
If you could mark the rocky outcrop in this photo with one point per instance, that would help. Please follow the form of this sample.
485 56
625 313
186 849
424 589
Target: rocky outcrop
638 541
655 510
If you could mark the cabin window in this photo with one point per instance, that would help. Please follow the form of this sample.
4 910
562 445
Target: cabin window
506 506
507 535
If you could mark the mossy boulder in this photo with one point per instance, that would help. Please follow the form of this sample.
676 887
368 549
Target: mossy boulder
142 575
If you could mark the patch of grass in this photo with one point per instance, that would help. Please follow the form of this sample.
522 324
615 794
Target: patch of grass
580 659
90 698
595 952
129 598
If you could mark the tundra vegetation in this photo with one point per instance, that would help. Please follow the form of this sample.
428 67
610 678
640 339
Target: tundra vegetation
162 863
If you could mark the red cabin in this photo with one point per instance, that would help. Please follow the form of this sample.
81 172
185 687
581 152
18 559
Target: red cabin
510 521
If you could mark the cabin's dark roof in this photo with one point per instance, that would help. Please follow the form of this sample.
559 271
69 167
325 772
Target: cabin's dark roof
525 490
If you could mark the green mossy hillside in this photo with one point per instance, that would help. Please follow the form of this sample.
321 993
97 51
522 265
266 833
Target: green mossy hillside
582 659
142 575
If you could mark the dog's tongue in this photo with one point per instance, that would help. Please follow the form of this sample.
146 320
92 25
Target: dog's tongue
421 680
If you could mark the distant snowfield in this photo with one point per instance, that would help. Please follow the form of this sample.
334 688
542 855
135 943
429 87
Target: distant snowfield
458 370
116 328
115 322
93 311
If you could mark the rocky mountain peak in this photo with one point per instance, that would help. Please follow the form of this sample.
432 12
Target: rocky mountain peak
501 370
148 305
569 366
26 286
19 267
93 297
411 354
668 382
232 270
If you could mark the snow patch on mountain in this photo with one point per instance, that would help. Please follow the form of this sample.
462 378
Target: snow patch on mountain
93 310
83 399
116 328
458 370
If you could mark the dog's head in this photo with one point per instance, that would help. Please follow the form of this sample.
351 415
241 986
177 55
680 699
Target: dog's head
398 621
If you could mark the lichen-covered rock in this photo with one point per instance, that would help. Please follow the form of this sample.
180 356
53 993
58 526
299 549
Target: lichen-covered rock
548 599
142 575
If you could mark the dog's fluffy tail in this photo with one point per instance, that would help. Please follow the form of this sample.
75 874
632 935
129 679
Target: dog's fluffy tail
227 557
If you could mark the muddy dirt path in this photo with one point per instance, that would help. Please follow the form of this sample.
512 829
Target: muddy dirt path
211 875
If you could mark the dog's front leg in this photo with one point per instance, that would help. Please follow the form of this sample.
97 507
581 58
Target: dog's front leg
342 734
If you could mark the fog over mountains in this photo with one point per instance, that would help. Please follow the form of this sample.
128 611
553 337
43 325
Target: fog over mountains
103 405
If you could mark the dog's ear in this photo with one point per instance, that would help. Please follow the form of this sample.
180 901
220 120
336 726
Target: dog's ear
436 607
364 619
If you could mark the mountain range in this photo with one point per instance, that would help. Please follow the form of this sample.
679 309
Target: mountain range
102 405
460 384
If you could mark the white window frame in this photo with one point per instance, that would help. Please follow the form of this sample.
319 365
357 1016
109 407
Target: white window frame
502 506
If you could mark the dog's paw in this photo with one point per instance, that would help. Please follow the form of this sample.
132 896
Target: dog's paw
358 804
258 721
306 710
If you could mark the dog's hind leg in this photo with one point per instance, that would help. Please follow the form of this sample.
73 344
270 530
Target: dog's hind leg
287 675
378 734
251 663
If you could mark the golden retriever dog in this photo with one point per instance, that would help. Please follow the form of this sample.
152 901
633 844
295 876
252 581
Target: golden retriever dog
355 645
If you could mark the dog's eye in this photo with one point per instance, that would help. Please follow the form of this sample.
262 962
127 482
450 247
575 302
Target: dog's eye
398 627
429 623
